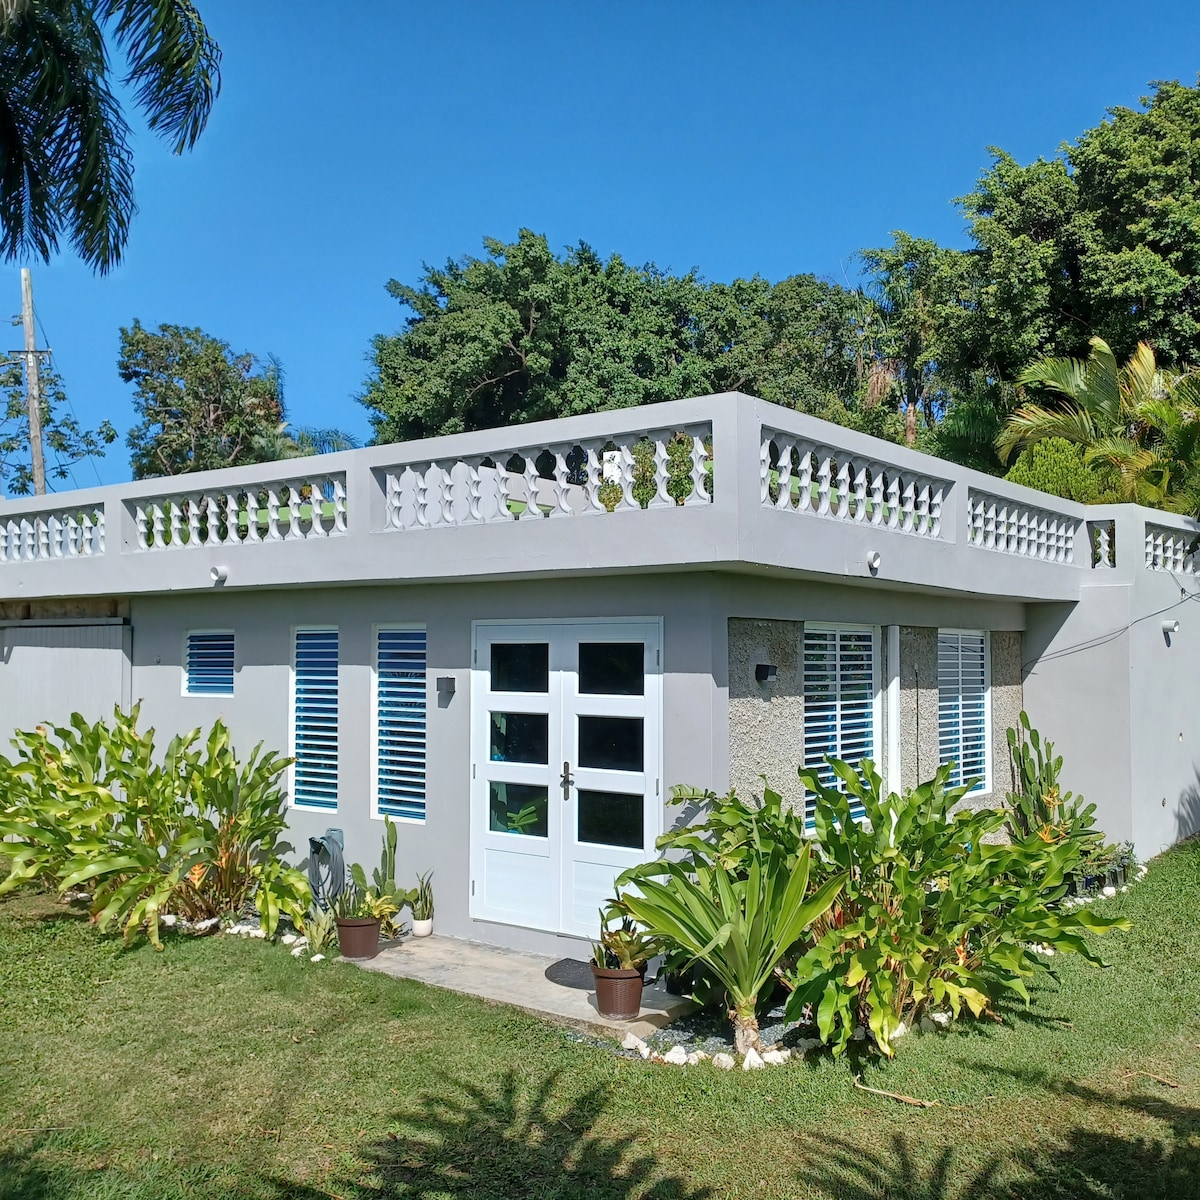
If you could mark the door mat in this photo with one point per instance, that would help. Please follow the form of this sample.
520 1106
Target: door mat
571 973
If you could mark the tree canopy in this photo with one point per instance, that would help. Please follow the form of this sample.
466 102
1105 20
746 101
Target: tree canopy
66 162
522 334
203 406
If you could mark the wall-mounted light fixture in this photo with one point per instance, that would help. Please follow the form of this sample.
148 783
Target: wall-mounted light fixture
445 685
766 673
1169 628
218 575
873 561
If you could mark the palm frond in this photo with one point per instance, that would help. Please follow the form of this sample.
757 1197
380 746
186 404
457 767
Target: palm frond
1031 423
1065 376
174 64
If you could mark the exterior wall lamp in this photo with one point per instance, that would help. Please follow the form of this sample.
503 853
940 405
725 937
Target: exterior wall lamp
766 673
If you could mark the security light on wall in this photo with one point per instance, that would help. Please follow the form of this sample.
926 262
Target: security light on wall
766 673
218 575
873 561
1169 628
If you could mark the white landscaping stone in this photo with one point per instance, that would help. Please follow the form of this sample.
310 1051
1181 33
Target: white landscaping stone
317 958
288 939
297 951
1124 887
942 1019
631 1041
168 919
776 1058
695 1057
204 926
1108 891
723 1062
676 1056
753 1061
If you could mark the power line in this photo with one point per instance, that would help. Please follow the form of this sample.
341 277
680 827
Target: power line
70 405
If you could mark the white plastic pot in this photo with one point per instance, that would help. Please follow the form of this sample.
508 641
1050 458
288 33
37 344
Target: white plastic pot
422 928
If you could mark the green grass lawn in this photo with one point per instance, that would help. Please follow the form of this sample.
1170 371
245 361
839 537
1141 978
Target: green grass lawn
223 1068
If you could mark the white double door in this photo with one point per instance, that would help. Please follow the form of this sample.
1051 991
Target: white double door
566 792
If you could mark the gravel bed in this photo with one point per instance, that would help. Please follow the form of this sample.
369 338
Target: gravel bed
711 1031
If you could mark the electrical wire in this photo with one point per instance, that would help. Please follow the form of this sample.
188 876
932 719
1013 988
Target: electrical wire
91 458
1104 638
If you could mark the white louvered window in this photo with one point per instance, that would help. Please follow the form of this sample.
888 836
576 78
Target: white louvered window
841 699
400 713
315 719
208 663
964 707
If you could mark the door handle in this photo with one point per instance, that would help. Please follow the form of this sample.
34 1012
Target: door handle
566 781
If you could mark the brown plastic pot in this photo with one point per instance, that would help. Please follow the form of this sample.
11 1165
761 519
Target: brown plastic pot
618 991
358 937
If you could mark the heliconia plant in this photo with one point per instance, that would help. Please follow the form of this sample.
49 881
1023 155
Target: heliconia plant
935 912
195 833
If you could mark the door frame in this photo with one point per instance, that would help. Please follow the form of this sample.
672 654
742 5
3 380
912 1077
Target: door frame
479 755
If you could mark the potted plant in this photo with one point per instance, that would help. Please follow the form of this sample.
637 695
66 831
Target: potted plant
619 961
422 906
359 913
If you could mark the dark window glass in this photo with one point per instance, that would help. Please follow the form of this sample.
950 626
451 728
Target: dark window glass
610 819
523 667
612 668
520 737
611 743
519 808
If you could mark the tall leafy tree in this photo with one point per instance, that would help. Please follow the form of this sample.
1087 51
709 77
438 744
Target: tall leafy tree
522 334
203 406
66 163
63 438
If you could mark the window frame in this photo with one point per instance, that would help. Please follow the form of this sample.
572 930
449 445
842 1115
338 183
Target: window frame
376 813
877 696
293 802
184 690
988 782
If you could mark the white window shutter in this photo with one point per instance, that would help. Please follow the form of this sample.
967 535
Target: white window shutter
964 707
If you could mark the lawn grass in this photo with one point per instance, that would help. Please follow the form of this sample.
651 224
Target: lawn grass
225 1068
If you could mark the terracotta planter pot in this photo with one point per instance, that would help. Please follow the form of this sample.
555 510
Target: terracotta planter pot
422 928
358 937
618 992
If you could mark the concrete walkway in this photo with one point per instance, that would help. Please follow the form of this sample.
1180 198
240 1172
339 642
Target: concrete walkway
510 977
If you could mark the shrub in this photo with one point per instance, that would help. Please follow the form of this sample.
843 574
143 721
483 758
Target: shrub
737 918
1057 466
932 913
194 834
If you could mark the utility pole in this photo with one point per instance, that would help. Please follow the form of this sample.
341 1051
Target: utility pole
33 388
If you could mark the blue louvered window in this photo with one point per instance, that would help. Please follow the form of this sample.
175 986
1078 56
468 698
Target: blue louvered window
400 722
208 665
840 711
315 719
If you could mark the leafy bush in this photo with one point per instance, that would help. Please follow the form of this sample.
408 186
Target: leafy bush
738 920
1057 466
1038 809
194 834
932 912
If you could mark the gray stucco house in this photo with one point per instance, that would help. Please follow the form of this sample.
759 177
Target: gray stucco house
515 641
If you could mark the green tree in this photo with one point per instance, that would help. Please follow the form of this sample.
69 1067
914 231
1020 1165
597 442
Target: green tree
917 286
66 442
522 335
203 406
1138 425
1057 466
66 160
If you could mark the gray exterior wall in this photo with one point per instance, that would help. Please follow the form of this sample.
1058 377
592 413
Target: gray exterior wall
918 704
258 711
766 720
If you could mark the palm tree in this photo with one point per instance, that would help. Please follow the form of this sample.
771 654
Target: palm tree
66 164
1137 422
290 441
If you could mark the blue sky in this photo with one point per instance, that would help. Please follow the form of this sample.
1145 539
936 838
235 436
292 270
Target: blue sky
352 142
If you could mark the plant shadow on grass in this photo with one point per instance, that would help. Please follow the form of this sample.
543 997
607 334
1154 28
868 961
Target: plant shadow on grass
512 1141
1074 1164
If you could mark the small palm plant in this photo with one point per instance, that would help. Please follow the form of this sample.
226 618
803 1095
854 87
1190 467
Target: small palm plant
740 926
